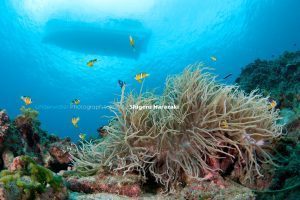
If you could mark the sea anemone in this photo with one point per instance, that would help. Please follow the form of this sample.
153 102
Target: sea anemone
212 125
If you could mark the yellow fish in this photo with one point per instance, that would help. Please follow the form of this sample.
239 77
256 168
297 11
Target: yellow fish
224 124
272 104
91 63
213 58
131 41
27 100
141 76
76 101
82 136
75 121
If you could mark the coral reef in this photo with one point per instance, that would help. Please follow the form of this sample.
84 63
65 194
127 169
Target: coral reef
25 179
279 78
107 183
23 136
215 131
200 190
293 129
60 158
4 125
195 191
286 181
21 177
28 127
99 196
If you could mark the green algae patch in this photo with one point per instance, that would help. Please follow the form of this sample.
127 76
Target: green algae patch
30 178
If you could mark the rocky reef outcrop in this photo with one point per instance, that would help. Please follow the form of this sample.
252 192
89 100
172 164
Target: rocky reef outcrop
280 79
4 125
23 136
25 179
129 185
29 159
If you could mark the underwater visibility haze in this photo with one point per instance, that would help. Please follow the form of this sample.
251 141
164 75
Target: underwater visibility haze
150 99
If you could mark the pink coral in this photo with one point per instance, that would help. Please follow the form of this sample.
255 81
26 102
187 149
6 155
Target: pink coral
17 164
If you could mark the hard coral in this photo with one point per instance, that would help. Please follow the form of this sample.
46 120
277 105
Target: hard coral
216 127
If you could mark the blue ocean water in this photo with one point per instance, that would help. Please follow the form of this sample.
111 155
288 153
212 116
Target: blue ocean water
45 45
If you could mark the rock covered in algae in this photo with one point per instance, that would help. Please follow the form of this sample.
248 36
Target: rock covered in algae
4 125
195 191
128 185
203 191
97 196
285 184
279 78
26 180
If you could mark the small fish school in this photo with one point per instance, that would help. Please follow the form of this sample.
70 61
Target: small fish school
91 63
75 102
139 78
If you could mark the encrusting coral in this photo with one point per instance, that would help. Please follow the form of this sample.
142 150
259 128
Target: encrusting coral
216 129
